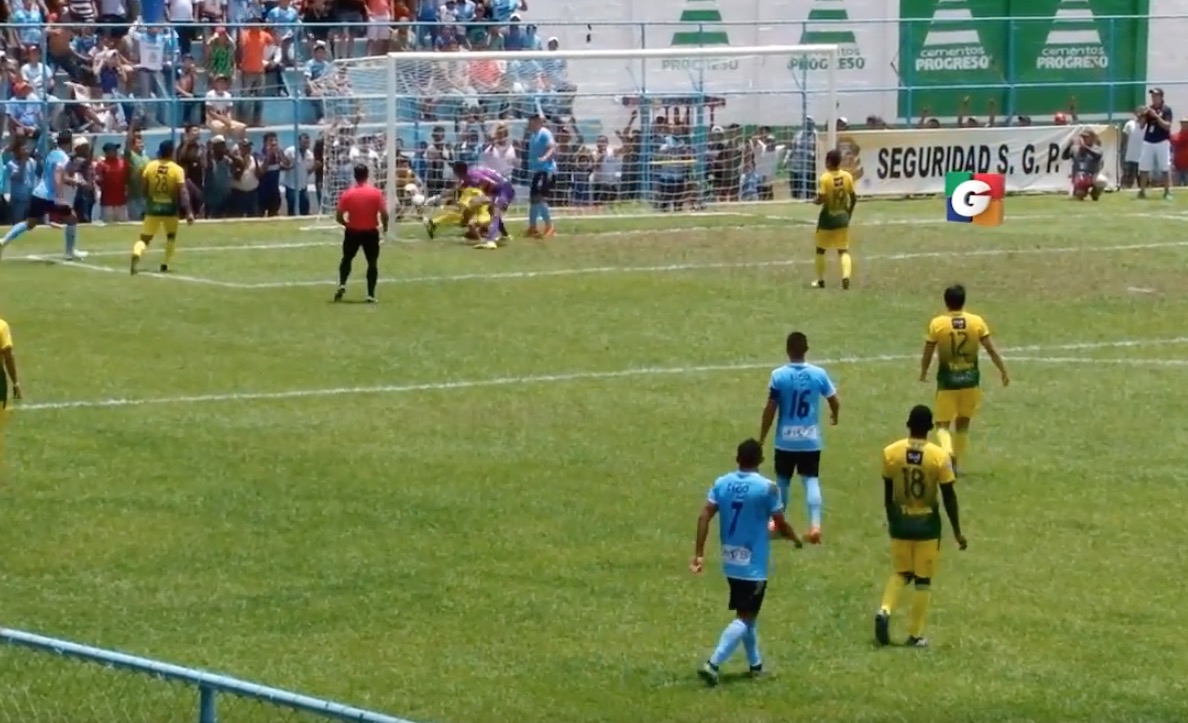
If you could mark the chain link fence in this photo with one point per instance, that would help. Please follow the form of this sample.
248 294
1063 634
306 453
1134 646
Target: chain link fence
43 680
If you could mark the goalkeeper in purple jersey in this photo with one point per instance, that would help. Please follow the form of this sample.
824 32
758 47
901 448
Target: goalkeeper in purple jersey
498 192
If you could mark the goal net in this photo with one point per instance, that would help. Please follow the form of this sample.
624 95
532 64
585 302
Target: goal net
637 131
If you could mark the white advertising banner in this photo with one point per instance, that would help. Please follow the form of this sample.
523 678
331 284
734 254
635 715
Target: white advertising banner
771 90
1167 53
915 161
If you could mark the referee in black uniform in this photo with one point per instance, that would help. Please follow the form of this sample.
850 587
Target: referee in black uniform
362 211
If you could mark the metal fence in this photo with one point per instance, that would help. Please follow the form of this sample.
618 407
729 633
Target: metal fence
53 681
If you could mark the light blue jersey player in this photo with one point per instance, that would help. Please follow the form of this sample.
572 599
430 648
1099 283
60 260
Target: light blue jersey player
542 165
53 196
748 501
794 404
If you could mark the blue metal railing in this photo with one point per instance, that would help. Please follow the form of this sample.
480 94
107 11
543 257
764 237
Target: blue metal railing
208 686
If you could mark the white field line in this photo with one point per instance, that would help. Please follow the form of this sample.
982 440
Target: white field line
546 273
113 270
590 270
673 268
563 377
1090 360
288 245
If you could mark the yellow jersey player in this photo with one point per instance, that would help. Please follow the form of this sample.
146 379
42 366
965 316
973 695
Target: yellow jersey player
165 198
8 375
917 474
955 337
836 197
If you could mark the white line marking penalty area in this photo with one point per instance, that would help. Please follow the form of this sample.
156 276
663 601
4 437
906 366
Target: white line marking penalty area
586 376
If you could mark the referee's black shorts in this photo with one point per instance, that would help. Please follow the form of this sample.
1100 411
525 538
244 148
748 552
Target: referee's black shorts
367 241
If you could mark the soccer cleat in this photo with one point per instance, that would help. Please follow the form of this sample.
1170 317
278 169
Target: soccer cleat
709 674
846 284
814 536
883 627
76 255
549 231
532 232
134 267
914 642
372 300
487 245
164 269
756 671
340 293
430 228
818 284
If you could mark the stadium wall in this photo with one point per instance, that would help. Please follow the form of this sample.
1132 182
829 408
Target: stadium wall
902 57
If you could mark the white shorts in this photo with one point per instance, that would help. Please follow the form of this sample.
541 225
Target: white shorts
1156 157
113 214
379 29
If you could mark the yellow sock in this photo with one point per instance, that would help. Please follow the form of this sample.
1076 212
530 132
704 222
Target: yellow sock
921 599
895 585
819 265
139 248
945 440
960 445
170 249
846 265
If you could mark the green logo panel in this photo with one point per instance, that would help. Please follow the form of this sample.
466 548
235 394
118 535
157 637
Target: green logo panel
1064 49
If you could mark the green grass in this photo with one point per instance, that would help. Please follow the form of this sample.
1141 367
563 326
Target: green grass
503 550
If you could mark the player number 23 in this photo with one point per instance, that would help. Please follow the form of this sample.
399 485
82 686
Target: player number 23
913 482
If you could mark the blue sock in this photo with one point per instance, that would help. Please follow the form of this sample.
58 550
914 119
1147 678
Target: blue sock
15 231
544 214
533 214
812 498
751 645
731 637
71 238
785 484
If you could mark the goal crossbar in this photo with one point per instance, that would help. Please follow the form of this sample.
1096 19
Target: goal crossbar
642 54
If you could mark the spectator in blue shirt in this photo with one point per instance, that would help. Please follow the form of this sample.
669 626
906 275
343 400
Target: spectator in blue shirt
30 23
503 11
25 112
283 18
21 175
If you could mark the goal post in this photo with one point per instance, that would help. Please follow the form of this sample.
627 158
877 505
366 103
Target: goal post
638 131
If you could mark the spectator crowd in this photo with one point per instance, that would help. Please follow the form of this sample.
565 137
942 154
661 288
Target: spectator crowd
96 66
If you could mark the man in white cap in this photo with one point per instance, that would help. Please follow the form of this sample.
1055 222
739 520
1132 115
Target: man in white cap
1156 155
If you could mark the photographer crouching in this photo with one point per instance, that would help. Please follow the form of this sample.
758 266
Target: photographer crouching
1085 152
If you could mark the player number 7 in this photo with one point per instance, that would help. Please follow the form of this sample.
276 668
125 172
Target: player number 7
735 509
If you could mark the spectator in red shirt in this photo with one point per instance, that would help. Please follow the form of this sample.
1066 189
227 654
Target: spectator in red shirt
1179 144
111 177
361 211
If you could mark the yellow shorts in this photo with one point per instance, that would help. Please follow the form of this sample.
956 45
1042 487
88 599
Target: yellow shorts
482 216
956 403
838 238
918 557
153 223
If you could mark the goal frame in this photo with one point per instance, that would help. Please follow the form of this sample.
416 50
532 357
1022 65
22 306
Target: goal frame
831 51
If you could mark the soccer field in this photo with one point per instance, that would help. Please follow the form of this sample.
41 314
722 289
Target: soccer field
475 502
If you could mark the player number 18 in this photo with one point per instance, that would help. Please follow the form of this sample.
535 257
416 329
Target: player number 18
913 482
